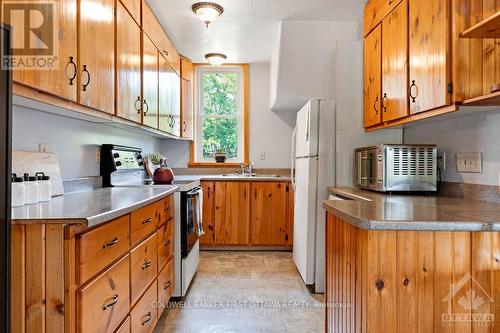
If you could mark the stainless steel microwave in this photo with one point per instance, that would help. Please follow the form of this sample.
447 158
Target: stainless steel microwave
393 168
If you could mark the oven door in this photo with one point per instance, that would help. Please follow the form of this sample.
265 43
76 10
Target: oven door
190 215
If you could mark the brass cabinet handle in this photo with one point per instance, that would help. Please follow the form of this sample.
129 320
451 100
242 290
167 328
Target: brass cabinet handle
383 102
146 264
110 302
73 76
413 97
380 284
137 105
146 107
167 285
147 221
390 2
85 70
114 241
148 316
165 52
375 105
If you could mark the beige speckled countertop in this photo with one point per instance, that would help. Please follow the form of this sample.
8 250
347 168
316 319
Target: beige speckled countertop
89 208
228 177
378 211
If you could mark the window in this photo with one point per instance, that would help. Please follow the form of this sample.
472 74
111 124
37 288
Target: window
221 114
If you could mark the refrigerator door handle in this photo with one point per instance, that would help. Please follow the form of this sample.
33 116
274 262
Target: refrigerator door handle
292 168
308 124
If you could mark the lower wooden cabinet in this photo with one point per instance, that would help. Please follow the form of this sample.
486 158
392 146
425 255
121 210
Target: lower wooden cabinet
244 213
105 302
166 285
232 213
144 315
269 204
124 327
143 266
165 243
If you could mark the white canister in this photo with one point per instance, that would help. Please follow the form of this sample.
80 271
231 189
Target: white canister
18 195
45 186
32 190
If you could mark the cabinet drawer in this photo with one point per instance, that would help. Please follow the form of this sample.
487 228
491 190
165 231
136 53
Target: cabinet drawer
104 303
143 267
99 247
165 243
165 285
125 327
375 11
145 315
166 209
143 222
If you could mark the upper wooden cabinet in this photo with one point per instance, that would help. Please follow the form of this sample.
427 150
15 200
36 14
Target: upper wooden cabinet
165 95
96 47
375 11
187 71
429 54
62 80
372 77
232 213
149 83
154 30
394 102
134 8
187 88
269 205
176 104
128 66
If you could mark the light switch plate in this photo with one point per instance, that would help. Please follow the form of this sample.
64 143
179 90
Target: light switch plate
469 162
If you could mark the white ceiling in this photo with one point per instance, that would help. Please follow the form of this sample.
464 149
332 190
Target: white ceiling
247 30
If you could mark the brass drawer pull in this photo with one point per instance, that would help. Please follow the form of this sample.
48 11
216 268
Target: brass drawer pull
413 97
113 300
167 285
71 76
147 221
383 102
114 241
148 317
85 70
147 264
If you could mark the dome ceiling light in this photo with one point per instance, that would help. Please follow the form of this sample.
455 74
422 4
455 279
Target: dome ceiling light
216 59
207 11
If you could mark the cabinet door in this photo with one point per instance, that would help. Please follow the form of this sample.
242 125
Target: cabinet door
395 63
290 214
372 77
269 202
128 51
187 109
186 70
97 53
232 218
165 95
149 83
134 8
208 213
176 104
60 81
429 54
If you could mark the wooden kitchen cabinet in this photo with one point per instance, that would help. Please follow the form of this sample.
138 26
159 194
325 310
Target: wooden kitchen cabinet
62 80
96 49
290 211
268 214
232 213
429 52
165 74
394 103
176 104
149 83
187 109
128 51
372 77
134 8
208 238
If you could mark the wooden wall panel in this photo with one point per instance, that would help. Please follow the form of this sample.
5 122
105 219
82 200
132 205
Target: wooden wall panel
35 273
54 279
18 280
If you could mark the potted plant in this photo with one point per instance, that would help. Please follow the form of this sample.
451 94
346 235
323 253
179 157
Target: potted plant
152 161
220 155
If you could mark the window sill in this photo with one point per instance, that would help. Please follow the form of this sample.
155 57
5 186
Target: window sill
213 165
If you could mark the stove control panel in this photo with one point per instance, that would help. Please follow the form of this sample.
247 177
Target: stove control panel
127 160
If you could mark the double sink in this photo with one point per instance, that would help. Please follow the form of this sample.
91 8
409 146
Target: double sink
250 175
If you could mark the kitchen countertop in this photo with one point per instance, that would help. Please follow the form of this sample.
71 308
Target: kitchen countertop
90 208
233 178
378 211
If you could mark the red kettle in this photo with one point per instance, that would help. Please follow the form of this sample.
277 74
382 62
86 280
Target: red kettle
163 175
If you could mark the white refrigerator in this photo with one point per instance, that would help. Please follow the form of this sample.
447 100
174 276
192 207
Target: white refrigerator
313 170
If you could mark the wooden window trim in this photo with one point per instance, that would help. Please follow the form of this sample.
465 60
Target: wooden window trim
192 145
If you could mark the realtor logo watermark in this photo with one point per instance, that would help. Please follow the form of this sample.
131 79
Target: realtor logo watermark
34 33
468 304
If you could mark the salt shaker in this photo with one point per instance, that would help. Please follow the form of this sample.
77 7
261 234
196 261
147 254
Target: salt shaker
32 189
45 186
18 195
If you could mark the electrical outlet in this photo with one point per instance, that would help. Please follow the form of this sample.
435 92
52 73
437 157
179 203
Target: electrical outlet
43 147
98 155
469 162
262 156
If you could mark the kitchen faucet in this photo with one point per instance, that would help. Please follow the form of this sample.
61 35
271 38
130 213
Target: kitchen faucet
247 169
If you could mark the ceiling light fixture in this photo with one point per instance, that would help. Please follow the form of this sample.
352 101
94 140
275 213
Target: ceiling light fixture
207 11
215 59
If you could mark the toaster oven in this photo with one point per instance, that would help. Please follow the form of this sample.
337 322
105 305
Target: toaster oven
393 168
